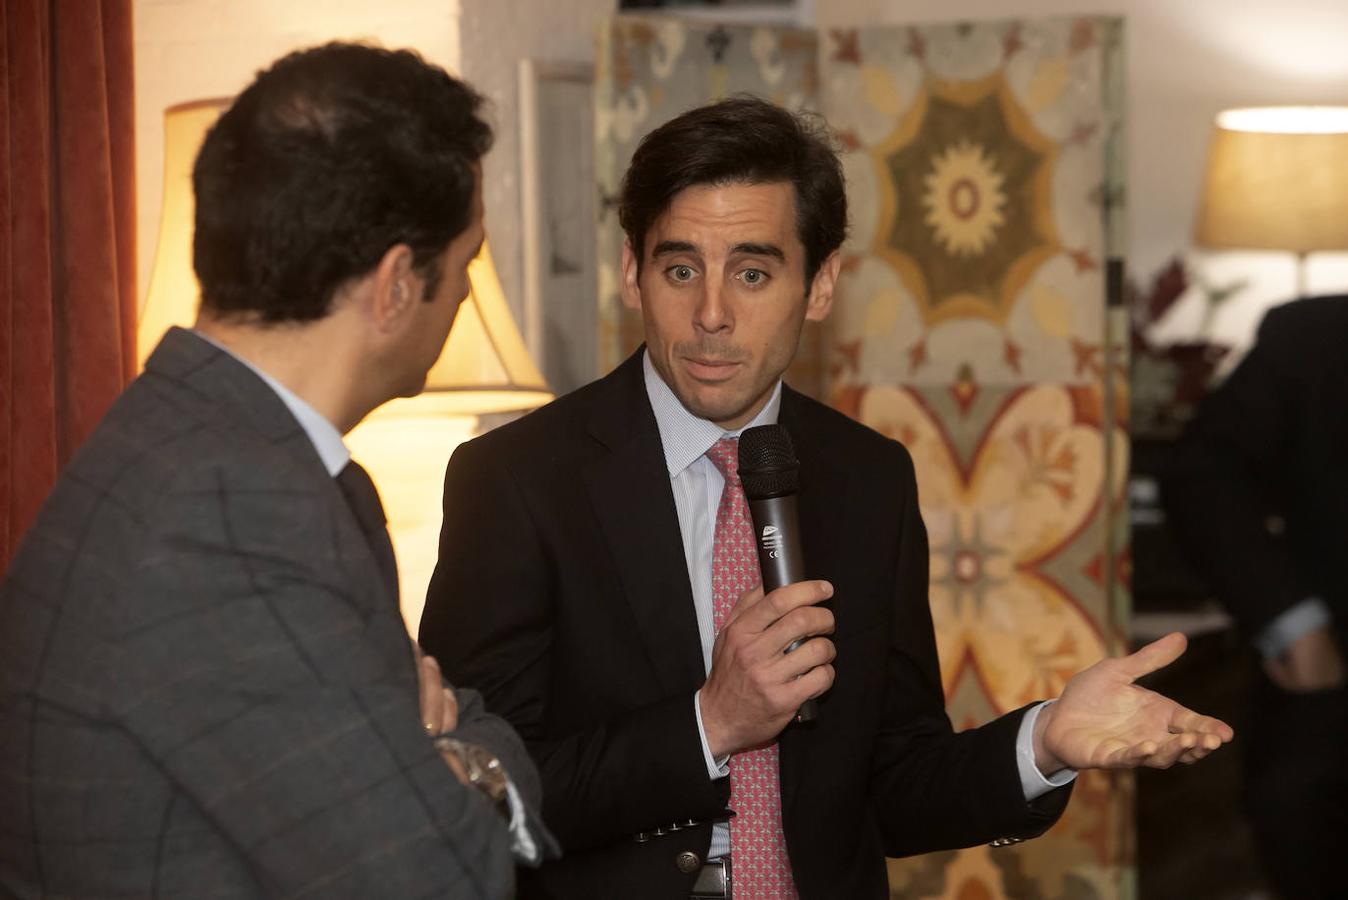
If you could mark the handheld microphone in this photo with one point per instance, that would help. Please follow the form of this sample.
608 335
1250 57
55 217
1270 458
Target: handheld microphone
770 474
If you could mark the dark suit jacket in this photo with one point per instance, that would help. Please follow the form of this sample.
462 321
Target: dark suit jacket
205 687
1272 441
562 594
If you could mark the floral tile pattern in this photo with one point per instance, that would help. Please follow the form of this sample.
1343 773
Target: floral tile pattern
973 325
984 172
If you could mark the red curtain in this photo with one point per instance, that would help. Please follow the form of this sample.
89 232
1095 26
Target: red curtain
67 249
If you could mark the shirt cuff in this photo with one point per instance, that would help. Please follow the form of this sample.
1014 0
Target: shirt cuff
522 844
1033 782
715 768
1302 619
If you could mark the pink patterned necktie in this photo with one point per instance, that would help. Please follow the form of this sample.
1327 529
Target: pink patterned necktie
761 868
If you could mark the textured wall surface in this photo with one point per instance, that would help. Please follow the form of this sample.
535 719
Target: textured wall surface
1183 63
494 36
974 326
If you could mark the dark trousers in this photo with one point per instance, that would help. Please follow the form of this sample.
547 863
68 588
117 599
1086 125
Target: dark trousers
1296 789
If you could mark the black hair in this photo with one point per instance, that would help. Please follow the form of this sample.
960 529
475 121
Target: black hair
330 157
740 140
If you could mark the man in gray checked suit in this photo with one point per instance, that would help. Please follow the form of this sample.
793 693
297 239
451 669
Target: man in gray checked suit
206 688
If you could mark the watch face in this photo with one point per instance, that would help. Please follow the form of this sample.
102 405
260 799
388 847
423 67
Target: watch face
486 772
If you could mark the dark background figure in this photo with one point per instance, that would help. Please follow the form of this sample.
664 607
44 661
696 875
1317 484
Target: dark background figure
1258 497
206 686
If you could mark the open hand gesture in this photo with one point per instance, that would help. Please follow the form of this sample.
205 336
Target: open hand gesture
1105 721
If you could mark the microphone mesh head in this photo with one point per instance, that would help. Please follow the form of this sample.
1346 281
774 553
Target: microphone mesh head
767 462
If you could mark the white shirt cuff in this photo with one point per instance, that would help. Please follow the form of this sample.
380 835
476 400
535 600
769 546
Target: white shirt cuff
1302 619
715 768
522 844
1033 782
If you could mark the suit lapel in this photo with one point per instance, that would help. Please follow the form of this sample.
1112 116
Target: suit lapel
818 482
630 489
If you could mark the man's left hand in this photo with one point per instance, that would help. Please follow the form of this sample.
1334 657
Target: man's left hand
1104 721
439 707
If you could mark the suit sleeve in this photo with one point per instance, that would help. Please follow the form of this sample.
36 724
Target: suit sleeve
490 620
1224 483
281 699
935 788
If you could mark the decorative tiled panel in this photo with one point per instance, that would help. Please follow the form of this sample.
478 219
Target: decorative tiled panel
983 183
974 323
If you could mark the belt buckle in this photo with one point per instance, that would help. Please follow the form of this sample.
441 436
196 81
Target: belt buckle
713 881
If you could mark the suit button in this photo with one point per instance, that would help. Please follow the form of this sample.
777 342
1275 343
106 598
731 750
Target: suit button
688 862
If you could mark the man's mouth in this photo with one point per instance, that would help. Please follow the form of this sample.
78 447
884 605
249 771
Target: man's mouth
710 368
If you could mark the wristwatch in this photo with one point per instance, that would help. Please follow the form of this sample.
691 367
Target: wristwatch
484 770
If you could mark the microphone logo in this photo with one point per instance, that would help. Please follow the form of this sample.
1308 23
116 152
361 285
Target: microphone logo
771 541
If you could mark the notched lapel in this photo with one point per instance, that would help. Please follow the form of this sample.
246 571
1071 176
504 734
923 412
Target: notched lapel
629 487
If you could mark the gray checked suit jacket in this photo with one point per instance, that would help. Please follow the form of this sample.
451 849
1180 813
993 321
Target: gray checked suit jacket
205 687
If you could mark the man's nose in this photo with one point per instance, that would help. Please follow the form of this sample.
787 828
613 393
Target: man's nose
712 312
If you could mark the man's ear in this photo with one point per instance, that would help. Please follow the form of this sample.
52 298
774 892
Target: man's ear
395 289
820 299
631 289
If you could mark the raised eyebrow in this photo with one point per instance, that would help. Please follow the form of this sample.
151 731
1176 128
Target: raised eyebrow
753 249
665 248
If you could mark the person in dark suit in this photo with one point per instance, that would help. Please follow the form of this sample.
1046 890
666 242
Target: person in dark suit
592 580
1259 497
206 687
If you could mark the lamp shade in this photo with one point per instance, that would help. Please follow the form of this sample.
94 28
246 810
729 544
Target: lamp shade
1277 179
173 294
485 366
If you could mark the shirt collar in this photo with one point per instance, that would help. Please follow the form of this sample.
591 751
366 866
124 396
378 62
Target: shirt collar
325 437
684 436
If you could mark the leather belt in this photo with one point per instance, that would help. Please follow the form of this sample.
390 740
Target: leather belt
713 881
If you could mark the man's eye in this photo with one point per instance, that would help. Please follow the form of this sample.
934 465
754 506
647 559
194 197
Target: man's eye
753 276
681 273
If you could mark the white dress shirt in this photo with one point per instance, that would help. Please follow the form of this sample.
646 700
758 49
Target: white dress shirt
697 485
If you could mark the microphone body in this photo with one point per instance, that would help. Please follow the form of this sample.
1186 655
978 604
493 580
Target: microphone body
777 537
770 475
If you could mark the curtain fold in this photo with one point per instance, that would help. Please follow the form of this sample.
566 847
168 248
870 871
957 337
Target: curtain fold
67 289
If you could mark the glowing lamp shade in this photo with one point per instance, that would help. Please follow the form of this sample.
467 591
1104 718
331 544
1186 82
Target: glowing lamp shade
173 294
1277 179
485 366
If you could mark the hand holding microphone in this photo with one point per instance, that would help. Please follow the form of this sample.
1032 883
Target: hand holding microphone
771 656
770 474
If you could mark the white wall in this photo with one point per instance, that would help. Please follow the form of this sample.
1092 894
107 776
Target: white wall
1186 60
197 49
495 35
